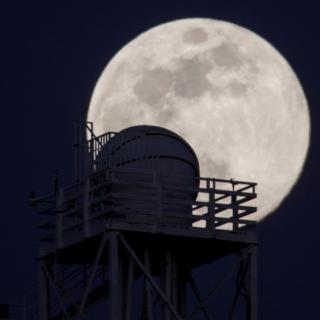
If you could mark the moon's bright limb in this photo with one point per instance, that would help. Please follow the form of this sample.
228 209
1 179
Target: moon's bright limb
224 89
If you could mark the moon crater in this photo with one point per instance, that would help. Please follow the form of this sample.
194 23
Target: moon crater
195 36
227 55
153 86
190 79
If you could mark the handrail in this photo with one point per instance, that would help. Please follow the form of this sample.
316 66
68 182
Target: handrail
107 202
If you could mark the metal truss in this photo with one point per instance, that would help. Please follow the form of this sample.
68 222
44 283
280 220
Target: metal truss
98 238
166 287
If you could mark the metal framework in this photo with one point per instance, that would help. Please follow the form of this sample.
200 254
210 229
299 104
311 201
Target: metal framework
96 247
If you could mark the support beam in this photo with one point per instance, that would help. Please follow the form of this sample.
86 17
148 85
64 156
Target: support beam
129 287
168 281
43 293
182 288
59 219
54 288
252 307
86 209
147 288
174 284
199 298
240 284
150 279
115 285
92 275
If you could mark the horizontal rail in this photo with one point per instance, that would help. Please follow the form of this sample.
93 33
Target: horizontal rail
145 197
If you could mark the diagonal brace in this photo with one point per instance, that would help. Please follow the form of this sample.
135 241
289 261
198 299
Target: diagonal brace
51 281
150 279
200 300
92 275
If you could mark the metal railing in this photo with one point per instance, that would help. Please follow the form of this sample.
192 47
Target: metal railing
144 198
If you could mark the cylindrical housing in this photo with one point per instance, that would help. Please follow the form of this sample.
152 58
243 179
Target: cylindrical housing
145 154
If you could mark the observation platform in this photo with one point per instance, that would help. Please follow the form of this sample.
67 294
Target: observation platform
144 203
152 224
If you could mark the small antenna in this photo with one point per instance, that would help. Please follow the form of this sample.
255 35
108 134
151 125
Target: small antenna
56 182
33 200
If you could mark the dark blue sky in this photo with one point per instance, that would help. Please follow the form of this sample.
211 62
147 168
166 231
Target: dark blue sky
52 53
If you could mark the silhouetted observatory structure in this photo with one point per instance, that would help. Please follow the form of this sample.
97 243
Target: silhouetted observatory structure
153 148
150 149
135 224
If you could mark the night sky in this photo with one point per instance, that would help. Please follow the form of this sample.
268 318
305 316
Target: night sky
52 53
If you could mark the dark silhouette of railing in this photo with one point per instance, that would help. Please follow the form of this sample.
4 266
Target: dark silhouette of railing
152 201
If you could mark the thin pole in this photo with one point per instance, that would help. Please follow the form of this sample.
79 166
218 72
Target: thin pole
115 310
55 291
234 205
252 283
43 293
92 275
59 219
128 306
174 283
76 152
86 210
182 288
148 295
168 280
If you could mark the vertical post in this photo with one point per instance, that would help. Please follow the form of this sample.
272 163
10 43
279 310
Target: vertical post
85 156
252 307
174 284
59 219
114 293
182 289
148 296
235 217
129 286
86 213
211 205
168 282
43 293
76 152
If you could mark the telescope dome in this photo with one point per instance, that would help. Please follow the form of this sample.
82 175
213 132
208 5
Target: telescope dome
144 158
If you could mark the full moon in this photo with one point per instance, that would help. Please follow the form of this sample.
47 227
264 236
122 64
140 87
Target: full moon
224 89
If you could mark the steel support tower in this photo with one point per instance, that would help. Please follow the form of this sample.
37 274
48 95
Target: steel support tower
138 258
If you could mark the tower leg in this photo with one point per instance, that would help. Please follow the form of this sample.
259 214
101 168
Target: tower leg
182 288
43 292
168 282
115 278
148 294
128 290
252 308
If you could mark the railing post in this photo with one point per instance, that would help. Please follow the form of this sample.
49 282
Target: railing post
86 211
76 153
59 219
211 205
235 218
